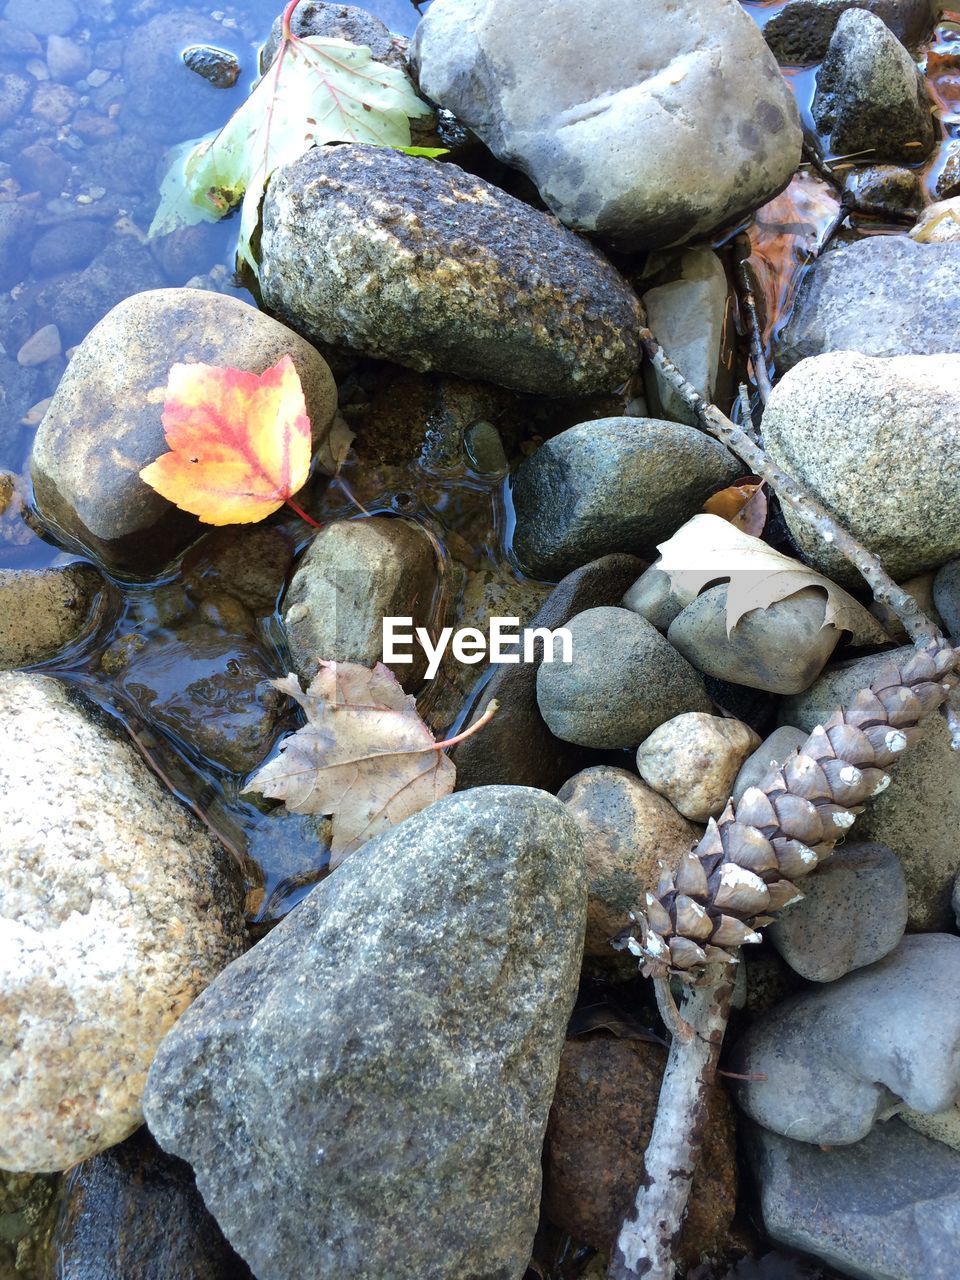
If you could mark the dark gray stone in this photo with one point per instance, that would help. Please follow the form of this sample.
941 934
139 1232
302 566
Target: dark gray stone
824 1065
623 682
654 598
886 1208
418 262
365 1093
881 296
773 750
614 484
71 244
800 32
337 22
946 596
170 100
884 189
870 93
218 66
16 223
75 301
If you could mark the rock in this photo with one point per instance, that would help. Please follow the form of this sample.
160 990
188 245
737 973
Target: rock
69 245
170 100
880 296
14 92
602 133
113 391
624 680
781 649
16 223
946 596
939 223
76 300
516 746
337 22
218 66
28 1206
886 1208
921 590
694 759
773 750
52 18
955 900
884 189
134 1213
837 423
612 484
654 598
42 346
387 1125
600 1124
919 813
943 1127
54 104
354 574
826 1064
853 912
800 32
119 908
688 316
249 563
627 831
498 292
44 610
67 60
40 168
870 93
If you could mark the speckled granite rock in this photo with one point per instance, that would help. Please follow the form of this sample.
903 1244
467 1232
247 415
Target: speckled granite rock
694 759
43 610
421 263
800 32
381 1065
118 908
104 423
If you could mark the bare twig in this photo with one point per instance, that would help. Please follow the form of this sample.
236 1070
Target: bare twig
758 359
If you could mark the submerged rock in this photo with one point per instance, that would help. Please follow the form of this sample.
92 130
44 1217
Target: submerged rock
381 1065
104 423
843 424
44 610
800 31
632 121
218 66
612 484
418 262
870 95
880 296
118 908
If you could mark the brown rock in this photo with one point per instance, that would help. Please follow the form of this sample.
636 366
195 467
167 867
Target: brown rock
599 1127
43 610
627 831
694 759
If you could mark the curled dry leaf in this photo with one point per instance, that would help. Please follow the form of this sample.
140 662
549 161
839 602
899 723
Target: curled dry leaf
364 757
708 549
744 504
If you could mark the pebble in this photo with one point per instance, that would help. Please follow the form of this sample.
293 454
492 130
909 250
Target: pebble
939 223
612 484
409 1102
42 611
870 94
816 1076
96 967
448 293
624 680
862 885
67 60
42 346
837 423
648 136
628 830
217 66
773 750
171 101
694 759
886 1208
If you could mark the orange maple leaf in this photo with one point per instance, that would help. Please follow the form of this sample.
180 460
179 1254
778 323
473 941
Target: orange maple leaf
240 443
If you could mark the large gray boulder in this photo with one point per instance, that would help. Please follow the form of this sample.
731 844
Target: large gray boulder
365 1093
800 31
881 296
878 442
634 121
418 262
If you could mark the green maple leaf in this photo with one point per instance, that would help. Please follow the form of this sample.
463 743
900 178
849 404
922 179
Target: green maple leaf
316 91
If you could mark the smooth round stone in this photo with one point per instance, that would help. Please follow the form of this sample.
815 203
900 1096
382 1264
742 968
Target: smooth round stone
693 760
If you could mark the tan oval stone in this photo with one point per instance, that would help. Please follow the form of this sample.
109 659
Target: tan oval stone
694 760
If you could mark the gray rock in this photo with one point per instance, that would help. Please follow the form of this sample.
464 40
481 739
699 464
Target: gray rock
44 610
943 1127
53 17
646 134
653 597
67 60
404 1118
16 223
170 100
112 393
773 750
353 574
248 562
946 596
337 22
838 423
781 649
800 31
76 300
624 680
516 746
883 188
955 900
887 1208
687 315
881 296
853 912
40 347
870 93
14 92
360 249
825 1064
614 484
69 245
218 66
118 907
919 813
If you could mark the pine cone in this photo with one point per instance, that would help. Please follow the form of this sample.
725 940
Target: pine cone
745 868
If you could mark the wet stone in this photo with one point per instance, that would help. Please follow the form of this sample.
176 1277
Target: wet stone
337 22
67 246
800 31
250 564
218 66
883 188
44 610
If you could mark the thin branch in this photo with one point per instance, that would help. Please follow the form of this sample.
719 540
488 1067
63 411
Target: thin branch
758 359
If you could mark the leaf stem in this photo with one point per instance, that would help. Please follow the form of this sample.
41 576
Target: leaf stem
302 514
485 719
285 33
